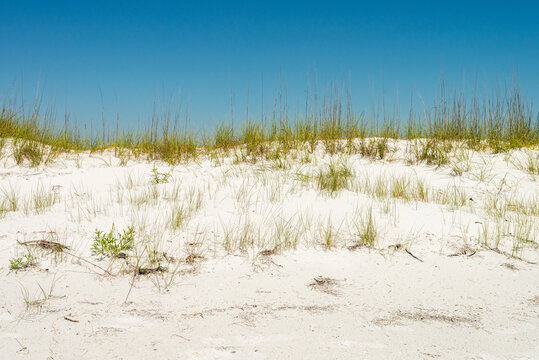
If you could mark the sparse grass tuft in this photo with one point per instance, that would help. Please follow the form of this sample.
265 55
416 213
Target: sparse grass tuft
10 201
179 217
529 163
461 162
329 235
37 301
42 199
240 236
366 229
285 235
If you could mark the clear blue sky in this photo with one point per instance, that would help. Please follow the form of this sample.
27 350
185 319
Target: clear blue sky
204 51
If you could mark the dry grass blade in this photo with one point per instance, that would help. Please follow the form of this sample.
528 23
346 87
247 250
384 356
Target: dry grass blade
45 244
505 253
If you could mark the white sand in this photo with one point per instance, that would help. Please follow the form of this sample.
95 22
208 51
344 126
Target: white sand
430 288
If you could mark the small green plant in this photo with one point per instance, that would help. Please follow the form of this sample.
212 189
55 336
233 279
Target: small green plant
110 244
160 177
22 263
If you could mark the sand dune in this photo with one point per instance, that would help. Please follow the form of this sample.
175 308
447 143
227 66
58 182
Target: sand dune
306 256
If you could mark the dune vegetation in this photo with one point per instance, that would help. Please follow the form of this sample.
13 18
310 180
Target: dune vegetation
332 201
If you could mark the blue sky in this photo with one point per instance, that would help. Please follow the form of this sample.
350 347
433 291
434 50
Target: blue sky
127 54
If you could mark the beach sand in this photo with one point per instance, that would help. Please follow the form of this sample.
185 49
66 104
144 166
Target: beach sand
239 260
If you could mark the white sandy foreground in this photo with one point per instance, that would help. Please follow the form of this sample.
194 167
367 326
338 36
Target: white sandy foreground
439 283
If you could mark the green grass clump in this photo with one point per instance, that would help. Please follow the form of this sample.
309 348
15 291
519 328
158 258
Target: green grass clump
224 137
334 177
35 153
38 130
431 151
374 148
110 244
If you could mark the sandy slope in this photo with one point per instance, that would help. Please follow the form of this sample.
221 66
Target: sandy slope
429 289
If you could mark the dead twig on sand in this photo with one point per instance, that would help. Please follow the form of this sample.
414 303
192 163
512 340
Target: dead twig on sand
412 255
400 247
135 273
89 262
505 253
